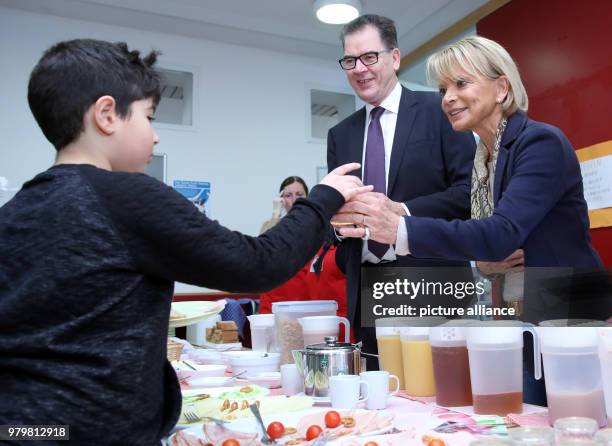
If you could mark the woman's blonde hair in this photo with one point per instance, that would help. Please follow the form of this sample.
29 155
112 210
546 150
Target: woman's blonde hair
478 55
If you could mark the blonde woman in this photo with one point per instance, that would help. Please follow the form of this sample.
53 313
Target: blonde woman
527 199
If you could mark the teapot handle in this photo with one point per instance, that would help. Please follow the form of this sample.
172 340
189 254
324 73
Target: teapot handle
347 328
537 358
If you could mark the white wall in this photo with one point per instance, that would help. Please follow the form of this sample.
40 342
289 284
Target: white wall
416 74
320 125
249 121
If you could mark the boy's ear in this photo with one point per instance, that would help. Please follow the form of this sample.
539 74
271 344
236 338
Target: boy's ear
104 115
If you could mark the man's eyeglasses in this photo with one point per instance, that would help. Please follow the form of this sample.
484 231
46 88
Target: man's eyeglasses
370 58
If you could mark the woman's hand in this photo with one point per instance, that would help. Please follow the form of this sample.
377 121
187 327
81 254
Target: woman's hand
277 207
514 262
348 185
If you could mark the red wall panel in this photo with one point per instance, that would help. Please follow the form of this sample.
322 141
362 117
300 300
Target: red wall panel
564 52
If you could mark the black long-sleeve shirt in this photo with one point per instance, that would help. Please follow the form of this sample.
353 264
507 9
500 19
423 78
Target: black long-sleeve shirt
87 263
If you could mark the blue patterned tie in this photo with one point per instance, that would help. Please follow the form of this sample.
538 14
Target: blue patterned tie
375 168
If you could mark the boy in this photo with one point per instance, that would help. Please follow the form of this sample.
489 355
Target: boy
86 279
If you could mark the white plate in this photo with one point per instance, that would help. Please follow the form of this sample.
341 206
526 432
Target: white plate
271 380
217 391
212 392
209 381
401 438
289 419
197 371
230 346
195 311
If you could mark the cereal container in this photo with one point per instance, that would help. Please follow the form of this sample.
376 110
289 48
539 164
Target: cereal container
288 329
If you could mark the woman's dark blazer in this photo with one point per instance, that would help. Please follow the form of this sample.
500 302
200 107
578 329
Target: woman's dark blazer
539 207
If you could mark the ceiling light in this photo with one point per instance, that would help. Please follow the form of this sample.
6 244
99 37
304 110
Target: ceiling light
337 12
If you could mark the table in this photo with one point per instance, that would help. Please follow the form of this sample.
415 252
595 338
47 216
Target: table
422 415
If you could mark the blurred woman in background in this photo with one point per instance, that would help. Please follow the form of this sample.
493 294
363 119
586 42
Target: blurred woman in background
320 279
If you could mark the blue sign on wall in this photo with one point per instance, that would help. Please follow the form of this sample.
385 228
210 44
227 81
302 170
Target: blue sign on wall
198 192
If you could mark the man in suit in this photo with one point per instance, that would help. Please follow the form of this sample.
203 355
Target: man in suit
424 167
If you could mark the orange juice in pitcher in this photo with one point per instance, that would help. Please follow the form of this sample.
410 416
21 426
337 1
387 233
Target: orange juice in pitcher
417 361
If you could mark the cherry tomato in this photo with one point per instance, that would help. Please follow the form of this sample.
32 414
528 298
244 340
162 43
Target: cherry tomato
275 430
231 442
332 419
313 432
371 443
436 442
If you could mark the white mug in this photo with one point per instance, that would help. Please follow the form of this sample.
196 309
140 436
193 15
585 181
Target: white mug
344 391
291 381
378 390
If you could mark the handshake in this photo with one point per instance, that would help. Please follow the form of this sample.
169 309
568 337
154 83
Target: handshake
366 214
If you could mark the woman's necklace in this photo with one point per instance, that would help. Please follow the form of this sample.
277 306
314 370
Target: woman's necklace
492 155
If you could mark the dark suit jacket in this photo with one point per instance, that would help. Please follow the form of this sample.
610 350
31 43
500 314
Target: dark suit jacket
430 172
539 206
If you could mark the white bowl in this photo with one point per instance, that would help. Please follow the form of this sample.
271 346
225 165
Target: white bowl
227 357
206 370
202 356
254 363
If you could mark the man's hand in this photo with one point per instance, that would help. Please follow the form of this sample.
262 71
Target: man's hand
374 211
348 185
514 262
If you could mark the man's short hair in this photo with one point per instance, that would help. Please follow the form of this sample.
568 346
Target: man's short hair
72 75
384 25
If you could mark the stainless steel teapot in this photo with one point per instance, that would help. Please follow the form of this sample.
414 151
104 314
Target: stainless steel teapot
318 362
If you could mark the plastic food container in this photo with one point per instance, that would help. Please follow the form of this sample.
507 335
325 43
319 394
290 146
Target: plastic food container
196 333
289 334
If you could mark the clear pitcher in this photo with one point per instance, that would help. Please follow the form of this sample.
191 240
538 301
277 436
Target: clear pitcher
451 364
417 361
316 328
496 366
573 374
604 336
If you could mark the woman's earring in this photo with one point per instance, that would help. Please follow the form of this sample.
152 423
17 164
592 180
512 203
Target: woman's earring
499 101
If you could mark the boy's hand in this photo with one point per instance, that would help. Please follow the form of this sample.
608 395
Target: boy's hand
348 185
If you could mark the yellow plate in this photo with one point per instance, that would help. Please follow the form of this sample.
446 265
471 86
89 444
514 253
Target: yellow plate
194 311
